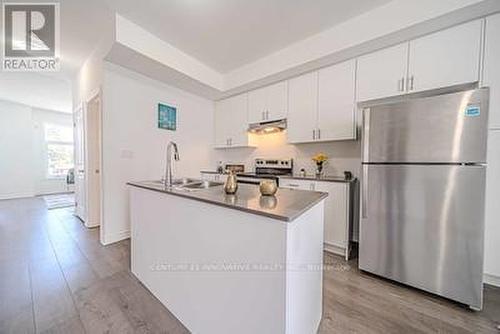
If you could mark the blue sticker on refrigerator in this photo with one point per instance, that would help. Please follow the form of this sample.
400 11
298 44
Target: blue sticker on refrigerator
472 111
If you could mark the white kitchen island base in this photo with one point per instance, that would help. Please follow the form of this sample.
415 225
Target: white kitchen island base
220 270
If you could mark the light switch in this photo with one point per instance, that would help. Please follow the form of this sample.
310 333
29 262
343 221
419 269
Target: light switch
127 154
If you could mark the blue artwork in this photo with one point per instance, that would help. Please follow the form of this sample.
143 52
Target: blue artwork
167 117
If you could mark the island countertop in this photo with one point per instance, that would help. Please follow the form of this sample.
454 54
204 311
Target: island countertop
285 205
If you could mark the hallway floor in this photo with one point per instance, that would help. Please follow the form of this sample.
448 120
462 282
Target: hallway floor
55 277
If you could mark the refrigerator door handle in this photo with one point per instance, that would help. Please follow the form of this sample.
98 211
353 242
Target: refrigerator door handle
366 134
364 191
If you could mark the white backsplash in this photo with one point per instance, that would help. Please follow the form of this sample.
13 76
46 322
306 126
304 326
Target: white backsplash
343 155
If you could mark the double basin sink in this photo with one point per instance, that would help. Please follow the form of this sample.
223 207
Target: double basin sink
189 184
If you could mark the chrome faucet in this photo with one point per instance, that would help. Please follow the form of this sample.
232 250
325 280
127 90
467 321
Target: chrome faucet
168 167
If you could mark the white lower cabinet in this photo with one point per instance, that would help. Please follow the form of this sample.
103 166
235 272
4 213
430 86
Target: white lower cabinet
337 211
336 215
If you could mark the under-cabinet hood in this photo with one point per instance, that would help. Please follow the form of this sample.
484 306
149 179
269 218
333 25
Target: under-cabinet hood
267 127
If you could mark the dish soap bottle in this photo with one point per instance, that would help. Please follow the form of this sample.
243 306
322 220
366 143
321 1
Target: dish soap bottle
220 170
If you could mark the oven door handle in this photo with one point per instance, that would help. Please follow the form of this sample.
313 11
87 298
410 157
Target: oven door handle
246 181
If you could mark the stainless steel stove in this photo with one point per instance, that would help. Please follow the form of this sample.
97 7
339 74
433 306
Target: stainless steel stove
267 169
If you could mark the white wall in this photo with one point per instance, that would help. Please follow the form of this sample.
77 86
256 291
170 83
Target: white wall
37 90
16 151
134 147
23 154
344 155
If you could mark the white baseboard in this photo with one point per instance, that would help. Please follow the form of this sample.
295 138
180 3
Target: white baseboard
16 195
491 279
110 239
91 224
334 249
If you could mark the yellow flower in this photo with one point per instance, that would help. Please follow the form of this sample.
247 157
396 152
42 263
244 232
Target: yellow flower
320 158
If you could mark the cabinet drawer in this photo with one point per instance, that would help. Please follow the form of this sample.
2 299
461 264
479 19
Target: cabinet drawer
297 184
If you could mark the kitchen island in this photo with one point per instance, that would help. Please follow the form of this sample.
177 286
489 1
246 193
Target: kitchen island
240 263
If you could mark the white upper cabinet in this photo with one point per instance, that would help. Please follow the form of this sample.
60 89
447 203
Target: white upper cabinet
302 108
442 59
277 101
231 122
257 104
382 73
268 103
446 58
491 70
336 102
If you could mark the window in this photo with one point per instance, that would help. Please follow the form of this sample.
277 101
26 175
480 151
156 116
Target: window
59 140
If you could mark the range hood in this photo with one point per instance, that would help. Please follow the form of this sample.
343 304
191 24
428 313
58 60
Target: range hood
267 127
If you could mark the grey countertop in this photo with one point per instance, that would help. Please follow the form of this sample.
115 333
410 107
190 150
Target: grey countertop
325 178
286 205
322 178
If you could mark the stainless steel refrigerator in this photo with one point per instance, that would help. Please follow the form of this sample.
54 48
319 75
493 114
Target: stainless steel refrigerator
423 189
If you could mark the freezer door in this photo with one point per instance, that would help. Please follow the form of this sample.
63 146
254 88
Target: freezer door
439 129
423 226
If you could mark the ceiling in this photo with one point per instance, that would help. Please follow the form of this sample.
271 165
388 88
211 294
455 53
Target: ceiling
226 34
223 34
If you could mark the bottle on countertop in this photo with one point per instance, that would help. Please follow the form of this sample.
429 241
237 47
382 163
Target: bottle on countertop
302 172
220 168
231 185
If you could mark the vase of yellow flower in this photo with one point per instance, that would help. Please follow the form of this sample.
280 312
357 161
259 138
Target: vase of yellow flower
319 159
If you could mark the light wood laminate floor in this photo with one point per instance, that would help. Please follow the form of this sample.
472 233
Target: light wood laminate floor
55 277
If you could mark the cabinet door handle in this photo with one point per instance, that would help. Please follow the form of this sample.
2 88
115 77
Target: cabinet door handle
314 134
401 84
410 82
364 191
293 185
267 114
319 133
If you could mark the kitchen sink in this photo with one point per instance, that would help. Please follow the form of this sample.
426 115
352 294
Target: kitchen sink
177 182
200 185
188 184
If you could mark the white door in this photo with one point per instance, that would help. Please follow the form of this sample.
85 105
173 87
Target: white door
446 58
336 102
382 73
276 97
222 115
492 227
492 68
302 108
257 105
80 191
336 213
93 161
238 120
